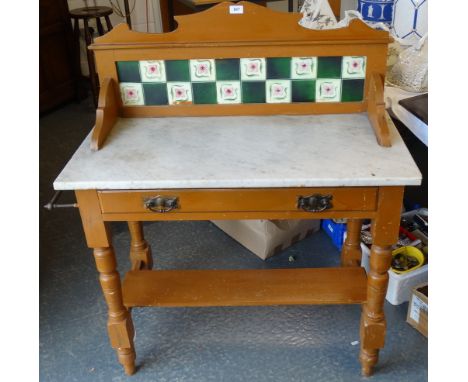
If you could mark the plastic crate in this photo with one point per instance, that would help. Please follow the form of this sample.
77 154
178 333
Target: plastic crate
399 286
336 231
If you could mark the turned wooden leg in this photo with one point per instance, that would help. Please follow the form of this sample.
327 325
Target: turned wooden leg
140 251
119 324
373 325
384 233
351 252
98 237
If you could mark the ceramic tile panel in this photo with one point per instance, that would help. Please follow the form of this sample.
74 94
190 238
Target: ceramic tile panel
204 92
278 68
328 90
228 92
155 94
179 93
304 68
128 71
253 69
242 80
152 71
202 70
353 67
278 91
253 92
177 70
329 67
352 90
303 91
132 94
228 69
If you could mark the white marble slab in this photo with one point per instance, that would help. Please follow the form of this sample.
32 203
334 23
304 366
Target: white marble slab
241 151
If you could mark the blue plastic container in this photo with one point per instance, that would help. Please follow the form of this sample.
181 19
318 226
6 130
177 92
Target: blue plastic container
376 11
336 231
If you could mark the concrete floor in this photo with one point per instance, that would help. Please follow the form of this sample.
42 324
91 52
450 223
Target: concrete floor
287 343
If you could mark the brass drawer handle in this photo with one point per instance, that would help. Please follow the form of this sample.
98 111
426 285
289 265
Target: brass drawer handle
162 203
315 202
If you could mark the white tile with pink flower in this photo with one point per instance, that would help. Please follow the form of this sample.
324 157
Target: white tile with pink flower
353 67
328 90
228 92
179 93
132 94
152 71
278 91
203 70
253 69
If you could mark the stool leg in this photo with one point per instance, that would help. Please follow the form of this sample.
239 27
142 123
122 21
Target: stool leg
119 324
351 252
108 23
140 251
170 14
99 26
76 49
384 233
91 65
127 14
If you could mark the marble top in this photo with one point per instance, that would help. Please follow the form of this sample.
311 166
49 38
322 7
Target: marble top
241 151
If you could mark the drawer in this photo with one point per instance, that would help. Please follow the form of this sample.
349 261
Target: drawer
238 200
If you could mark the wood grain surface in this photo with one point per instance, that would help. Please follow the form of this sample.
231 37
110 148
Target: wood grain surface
245 287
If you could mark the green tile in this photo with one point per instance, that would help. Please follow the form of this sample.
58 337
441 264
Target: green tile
303 91
177 70
204 92
279 68
155 94
329 67
128 71
352 90
253 92
228 69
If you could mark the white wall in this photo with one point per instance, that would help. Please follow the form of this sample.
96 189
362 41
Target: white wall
347 5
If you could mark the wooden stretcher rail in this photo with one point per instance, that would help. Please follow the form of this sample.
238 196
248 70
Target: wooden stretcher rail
245 287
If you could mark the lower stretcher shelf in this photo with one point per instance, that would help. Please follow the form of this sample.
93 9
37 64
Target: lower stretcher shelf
245 287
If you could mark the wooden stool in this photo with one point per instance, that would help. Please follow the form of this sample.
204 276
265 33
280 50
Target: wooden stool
85 14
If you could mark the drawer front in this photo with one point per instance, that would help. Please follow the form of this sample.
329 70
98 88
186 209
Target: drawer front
238 200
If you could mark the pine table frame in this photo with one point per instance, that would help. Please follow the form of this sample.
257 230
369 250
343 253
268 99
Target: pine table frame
241 37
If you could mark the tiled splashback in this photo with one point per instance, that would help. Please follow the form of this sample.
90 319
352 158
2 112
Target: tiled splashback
242 80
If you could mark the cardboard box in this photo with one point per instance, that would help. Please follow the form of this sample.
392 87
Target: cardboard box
265 238
418 309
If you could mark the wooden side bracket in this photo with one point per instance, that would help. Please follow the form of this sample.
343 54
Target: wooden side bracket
376 110
106 114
